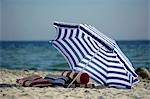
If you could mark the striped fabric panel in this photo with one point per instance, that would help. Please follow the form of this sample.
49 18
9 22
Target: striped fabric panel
96 33
99 76
78 47
125 61
58 46
127 84
119 53
101 35
112 42
79 44
95 37
95 69
79 52
120 79
103 76
128 67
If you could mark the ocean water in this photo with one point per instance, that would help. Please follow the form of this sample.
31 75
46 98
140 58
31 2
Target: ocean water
41 55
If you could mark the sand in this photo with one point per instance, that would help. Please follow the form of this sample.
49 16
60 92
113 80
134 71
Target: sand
11 91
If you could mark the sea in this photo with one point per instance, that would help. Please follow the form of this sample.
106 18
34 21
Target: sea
41 55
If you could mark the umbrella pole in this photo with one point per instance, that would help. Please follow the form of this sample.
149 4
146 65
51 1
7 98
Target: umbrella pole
83 68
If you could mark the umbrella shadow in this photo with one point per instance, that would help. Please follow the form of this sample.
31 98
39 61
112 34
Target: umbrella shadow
100 87
5 85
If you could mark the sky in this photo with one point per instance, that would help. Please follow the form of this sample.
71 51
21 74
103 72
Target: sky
33 19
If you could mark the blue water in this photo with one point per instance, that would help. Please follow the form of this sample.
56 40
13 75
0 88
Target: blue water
40 55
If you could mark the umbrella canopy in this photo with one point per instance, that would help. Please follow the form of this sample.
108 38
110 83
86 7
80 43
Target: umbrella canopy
86 49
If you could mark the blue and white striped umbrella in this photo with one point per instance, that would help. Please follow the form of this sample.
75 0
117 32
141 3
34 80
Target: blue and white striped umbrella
86 49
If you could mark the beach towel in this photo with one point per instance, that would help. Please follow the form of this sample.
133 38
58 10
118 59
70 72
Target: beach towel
33 80
37 83
29 78
57 80
83 78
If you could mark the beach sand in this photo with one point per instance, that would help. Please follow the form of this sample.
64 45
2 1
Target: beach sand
11 91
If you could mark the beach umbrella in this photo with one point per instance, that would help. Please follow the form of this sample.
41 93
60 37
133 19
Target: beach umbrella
88 50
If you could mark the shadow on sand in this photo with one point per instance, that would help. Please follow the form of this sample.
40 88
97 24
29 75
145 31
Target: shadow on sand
4 85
